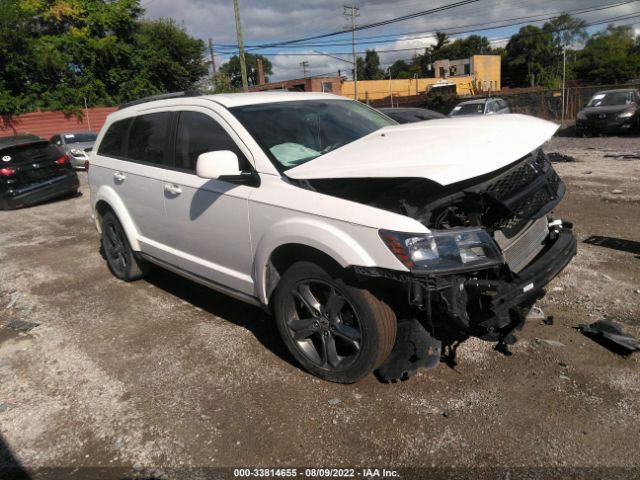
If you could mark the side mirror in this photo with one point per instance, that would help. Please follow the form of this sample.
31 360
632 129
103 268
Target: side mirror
218 164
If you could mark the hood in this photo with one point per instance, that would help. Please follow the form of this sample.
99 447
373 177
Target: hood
608 109
446 151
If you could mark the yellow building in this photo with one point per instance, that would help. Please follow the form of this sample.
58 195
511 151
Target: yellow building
473 76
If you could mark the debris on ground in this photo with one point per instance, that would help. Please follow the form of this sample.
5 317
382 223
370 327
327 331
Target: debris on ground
334 401
548 320
14 298
22 325
616 191
625 156
553 343
560 157
609 334
536 313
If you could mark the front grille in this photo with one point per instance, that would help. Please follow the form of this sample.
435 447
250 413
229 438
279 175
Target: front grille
513 181
528 190
519 251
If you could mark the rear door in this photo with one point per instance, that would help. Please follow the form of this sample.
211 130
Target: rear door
137 158
209 219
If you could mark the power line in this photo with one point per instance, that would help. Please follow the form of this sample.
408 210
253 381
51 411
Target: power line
601 22
455 30
371 25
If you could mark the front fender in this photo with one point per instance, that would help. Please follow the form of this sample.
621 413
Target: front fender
107 194
325 237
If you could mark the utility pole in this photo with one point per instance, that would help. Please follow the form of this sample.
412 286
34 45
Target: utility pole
564 74
304 65
213 63
243 65
353 12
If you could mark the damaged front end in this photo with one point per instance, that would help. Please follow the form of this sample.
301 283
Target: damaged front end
491 251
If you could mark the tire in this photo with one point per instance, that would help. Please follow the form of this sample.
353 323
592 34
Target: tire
121 259
336 331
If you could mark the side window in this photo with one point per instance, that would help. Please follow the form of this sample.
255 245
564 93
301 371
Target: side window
112 144
148 139
199 133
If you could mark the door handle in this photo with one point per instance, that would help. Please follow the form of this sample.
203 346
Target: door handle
172 189
119 176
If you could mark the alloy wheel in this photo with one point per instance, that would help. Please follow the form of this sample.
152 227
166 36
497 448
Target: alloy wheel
324 325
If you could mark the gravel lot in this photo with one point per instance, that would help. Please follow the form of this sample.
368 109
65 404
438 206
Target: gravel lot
163 374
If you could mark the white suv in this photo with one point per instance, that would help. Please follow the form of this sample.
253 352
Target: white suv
375 245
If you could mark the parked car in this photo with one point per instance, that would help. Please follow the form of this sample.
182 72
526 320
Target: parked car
410 115
610 111
76 145
373 244
33 171
481 106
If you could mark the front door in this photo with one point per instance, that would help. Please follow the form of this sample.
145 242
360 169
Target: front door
209 218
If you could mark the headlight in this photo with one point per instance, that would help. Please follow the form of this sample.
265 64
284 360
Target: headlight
627 114
77 153
581 116
444 250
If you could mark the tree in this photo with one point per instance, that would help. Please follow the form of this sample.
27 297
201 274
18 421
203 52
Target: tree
369 67
534 55
55 53
610 57
529 54
166 59
232 69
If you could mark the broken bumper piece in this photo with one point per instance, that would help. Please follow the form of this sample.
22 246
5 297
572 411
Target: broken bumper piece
611 335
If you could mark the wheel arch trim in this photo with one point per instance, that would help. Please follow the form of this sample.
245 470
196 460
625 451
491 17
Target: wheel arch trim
328 239
108 195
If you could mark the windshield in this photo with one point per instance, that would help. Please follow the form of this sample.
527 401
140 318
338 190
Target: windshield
611 99
80 137
469 109
292 133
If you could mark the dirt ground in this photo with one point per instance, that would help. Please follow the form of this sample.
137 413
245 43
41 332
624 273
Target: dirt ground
163 376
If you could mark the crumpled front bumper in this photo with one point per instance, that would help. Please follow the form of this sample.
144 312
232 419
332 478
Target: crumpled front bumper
506 294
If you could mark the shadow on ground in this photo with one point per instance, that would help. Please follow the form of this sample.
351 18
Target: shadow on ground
615 244
10 467
242 314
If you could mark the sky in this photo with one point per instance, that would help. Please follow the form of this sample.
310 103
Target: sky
266 21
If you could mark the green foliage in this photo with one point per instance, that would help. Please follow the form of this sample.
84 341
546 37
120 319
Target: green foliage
369 67
55 53
233 72
422 65
612 56
534 55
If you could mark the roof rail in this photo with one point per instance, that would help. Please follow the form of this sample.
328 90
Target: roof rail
162 96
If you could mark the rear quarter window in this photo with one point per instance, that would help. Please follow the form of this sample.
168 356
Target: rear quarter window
113 142
148 138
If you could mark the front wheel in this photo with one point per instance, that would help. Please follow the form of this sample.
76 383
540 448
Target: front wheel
336 331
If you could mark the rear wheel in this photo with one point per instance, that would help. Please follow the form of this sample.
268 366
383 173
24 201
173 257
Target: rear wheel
336 331
122 260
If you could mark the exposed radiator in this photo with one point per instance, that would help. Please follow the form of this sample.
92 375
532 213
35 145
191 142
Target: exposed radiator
522 248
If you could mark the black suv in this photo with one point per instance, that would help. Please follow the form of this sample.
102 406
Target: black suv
33 171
